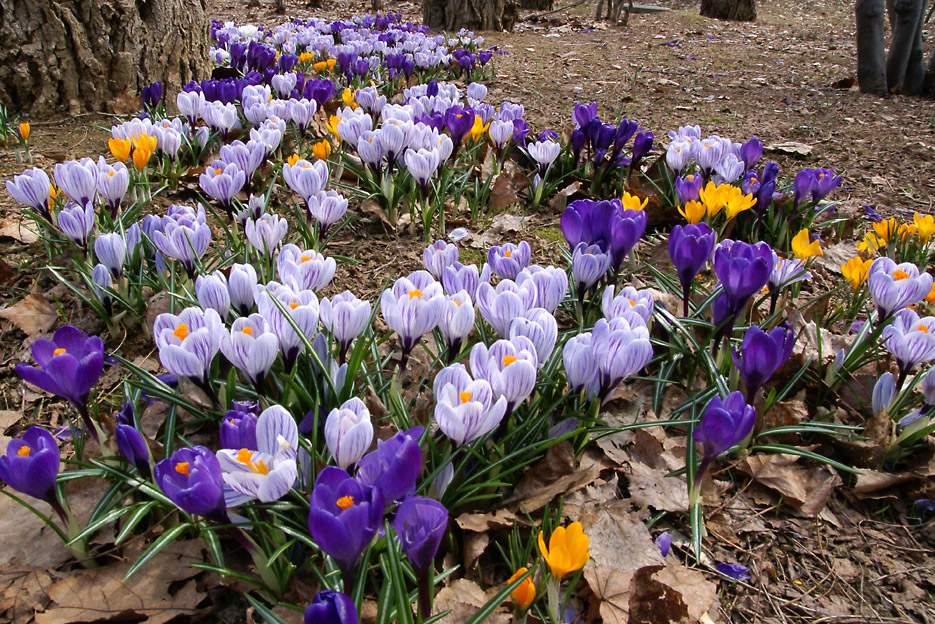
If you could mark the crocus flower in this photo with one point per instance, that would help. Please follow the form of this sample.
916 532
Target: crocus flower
588 265
884 391
327 207
726 423
304 269
102 282
69 365
413 309
761 354
499 306
32 188
111 251
77 223
525 593
420 525
911 340
222 181
438 256
212 292
302 308
246 156
550 283
567 551
786 272
734 571
268 473
580 365
251 347
394 467
743 270
509 366
78 180
331 607
896 286
191 478
130 442
188 342
241 284
343 516
112 184
346 317
238 426
465 408
540 326
422 164
621 348
508 260
457 321
543 153
677 156
663 543
630 299
305 178
348 432
185 236
458 277
690 247
803 247
266 233
31 463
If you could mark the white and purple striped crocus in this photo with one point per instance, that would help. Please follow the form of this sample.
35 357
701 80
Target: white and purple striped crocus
112 184
508 260
304 269
305 178
32 188
348 432
188 342
76 223
413 307
251 347
247 156
111 251
78 180
509 366
266 233
630 299
541 328
268 473
588 264
346 317
499 306
438 256
327 207
222 181
212 292
621 348
302 308
241 284
896 286
465 408
550 283
581 366
185 236
911 340
458 277
457 321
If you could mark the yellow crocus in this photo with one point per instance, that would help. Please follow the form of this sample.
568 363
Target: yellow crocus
141 157
925 226
120 148
803 247
886 228
348 97
305 57
632 202
906 230
735 201
24 130
693 211
525 593
292 160
711 197
478 129
320 66
146 142
855 271
322 149
53 193
567 551
871 244
332 125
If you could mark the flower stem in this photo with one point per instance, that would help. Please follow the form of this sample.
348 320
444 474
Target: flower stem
425 595
552 588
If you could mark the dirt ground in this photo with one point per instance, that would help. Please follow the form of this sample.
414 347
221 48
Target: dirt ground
786 78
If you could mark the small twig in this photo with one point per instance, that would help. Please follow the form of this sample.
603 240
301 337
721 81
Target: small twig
529 18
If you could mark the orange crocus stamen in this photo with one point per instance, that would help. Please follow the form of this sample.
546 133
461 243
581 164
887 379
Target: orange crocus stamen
464 396
345 502
509 359
24 451
59 351
182 468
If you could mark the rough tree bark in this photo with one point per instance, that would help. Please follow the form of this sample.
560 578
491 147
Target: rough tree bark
904 62
735 10
79 55
871 60
453 15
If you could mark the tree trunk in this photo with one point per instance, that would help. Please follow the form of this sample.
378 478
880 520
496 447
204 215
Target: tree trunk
537 5
78 55
904 69
735 10
453 15
871 63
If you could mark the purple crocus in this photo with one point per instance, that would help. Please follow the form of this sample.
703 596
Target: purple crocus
726 423
32 188
238 427
438 256
420 525
508 260
690 247
191 478
344 516
509 366
588 264
743 270
896 286
761 354
734 571
540 326
348 432
458 277
31 463
394 466
331 607
69 366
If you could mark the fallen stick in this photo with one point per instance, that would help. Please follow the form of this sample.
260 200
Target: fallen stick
561 8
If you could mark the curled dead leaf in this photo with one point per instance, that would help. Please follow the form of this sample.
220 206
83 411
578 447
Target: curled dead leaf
33 314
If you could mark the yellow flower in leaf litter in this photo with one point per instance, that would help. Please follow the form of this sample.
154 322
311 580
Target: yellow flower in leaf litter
120 148
24 130
322 149
930 298
347 96
632 202
803 247
925 226
320 66
141 157
711 198
855 271
525 593
478 129
146 142
292 160
886 228
694 211
332 125
567 551
305 57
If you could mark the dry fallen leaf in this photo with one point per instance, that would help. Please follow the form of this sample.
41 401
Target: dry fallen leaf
806 488
18 232
372 207
506 187
465 598
662 594
101 594
32 314
479 523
